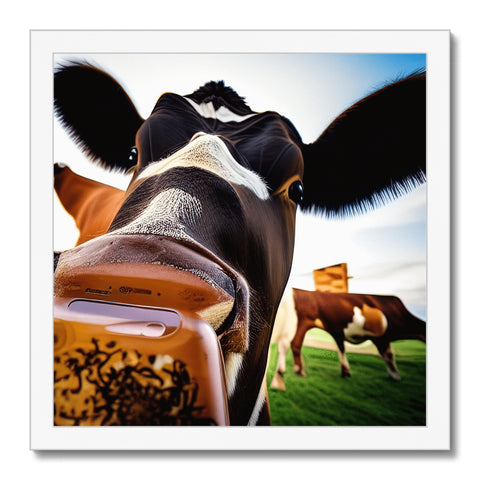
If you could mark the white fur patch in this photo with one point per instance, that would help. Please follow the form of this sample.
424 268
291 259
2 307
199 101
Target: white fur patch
210 153
233 364
166 215
223 114
286 320
356 331
258 405
355 328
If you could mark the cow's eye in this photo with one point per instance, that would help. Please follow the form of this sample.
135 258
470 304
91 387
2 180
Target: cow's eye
132 158
295 191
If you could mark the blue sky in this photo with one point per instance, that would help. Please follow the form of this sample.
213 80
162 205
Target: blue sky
385 249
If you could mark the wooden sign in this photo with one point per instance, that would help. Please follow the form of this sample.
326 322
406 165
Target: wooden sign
331 279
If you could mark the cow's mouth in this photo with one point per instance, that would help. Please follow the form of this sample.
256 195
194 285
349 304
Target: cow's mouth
158 271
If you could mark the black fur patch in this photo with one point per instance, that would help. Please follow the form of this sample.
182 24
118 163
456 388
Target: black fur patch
221 95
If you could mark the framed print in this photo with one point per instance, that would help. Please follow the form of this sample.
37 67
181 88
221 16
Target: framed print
249 237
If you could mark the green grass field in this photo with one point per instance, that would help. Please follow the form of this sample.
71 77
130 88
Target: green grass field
369 397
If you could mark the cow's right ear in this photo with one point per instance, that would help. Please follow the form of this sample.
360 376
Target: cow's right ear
371 153
97 113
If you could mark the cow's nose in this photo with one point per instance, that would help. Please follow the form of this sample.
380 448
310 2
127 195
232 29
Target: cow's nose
147 270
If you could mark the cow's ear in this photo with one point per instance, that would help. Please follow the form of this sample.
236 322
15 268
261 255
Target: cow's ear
371 153
97 113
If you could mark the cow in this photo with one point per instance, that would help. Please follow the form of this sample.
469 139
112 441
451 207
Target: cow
213 195
351 317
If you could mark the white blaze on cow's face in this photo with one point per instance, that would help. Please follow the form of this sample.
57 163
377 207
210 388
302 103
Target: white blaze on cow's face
207 110
174 207
209 152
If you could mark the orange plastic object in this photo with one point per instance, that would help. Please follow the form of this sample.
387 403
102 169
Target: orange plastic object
122 364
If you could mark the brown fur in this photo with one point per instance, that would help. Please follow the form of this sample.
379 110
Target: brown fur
93 205
373 320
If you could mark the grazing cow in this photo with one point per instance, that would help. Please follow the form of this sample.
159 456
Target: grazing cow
213 195
351 317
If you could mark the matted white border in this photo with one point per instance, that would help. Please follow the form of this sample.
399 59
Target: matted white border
434 436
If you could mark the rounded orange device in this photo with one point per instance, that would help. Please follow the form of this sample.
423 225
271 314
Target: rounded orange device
136 337
121 364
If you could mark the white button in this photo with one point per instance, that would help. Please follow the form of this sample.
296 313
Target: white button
146 329
153 330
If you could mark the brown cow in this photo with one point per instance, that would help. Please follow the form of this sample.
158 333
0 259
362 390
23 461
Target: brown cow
213 195
351 317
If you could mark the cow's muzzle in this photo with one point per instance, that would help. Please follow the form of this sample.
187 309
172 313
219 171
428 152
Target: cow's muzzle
149 270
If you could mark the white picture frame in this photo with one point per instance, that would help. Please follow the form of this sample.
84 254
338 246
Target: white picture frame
435 435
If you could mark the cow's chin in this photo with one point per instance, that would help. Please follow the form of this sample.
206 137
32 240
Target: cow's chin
159 272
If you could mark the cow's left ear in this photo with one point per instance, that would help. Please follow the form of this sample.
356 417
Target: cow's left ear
97 113
371 153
